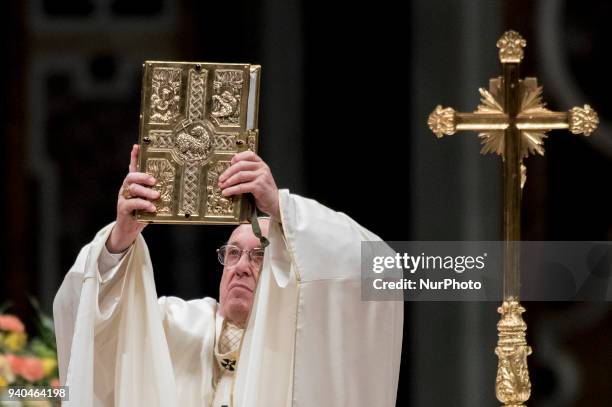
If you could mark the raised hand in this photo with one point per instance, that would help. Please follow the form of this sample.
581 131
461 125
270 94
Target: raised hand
248 173
135 193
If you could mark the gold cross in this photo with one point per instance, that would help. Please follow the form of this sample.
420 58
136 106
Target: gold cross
512 121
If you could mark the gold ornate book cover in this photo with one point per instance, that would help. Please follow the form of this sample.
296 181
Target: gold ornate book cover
194 118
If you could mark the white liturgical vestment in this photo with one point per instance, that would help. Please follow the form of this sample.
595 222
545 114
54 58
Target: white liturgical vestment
310 340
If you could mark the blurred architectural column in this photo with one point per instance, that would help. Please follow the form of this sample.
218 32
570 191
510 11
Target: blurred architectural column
457 197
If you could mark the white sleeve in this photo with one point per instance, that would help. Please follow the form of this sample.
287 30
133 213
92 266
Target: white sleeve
106 333
324 244
107 263
309 327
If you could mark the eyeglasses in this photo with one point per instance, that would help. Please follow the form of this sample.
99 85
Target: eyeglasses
230 255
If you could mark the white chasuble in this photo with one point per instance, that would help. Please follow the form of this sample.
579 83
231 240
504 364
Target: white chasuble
310 340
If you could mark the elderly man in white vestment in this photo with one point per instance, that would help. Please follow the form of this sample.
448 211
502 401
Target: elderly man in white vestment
300 336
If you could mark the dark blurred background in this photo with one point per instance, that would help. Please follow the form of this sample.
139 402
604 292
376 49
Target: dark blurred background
346 90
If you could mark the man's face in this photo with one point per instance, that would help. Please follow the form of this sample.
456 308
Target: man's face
238 282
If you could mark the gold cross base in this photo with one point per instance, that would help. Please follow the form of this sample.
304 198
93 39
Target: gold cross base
512 385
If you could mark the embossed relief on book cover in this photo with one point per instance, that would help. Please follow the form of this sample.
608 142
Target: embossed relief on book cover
194 118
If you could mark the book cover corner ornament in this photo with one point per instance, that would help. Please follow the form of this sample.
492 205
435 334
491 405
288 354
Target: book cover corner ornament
194 117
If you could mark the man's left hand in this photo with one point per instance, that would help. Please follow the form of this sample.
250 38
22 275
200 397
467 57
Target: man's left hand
248 173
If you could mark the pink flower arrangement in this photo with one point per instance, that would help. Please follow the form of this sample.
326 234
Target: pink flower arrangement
27 361
11 323
29 368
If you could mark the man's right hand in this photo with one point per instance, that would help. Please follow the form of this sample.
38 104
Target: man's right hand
135 193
